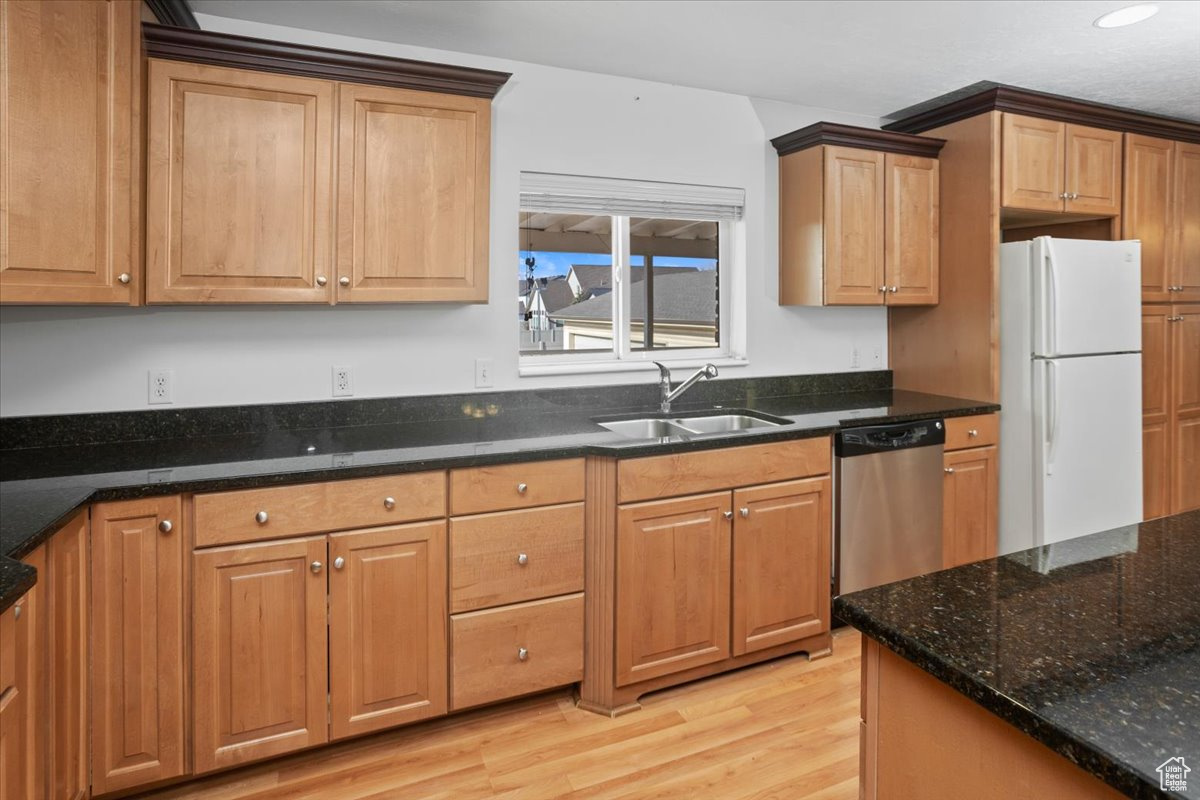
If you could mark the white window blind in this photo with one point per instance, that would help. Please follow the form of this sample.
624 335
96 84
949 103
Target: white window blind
551 193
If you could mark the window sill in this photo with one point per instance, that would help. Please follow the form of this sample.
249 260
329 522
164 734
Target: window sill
528 370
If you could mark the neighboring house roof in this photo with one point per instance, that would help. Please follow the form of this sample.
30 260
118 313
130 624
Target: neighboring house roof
555 292
597 278
690 298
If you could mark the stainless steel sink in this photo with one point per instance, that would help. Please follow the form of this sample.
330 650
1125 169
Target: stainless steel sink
646 428
724 423
657 427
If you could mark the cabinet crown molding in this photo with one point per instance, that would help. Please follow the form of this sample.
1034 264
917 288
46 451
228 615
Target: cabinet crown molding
985 96
834 133
266 55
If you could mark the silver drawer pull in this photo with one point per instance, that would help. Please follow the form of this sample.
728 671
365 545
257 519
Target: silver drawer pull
522 654
389 503
261 518
972 433
165 526
522 488
522 559
949 470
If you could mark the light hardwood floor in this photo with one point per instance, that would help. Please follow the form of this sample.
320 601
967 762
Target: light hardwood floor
784 730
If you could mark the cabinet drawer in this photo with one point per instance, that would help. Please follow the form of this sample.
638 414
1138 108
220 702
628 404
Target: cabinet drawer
231 517
512 556
711 470
505 486
514 650
977 431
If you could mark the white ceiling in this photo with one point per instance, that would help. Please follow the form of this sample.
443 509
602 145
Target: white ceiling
868 57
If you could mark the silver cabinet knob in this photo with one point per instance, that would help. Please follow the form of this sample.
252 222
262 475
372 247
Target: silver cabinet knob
339 562
894 289
389 503
949 470
315 567
745 512
165 526
522 654
124 277
728 515
16 612
322 280
344 281
522 488
261 518
523 559
882 288
972 433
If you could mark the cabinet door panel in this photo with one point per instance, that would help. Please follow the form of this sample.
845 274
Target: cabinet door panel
911 256
259 651
673 575
387 627
1032 163
238 186
412 195
854 226
1186 272
69 164
1156 362
1185 352
32 675
781 539
137 661
67 569
969 506
1156 469
1147 209
14 639
1093 170
1187 465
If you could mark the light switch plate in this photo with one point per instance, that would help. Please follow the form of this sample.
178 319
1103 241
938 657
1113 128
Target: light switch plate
483 373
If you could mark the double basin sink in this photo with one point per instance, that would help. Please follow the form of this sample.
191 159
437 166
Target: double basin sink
687 426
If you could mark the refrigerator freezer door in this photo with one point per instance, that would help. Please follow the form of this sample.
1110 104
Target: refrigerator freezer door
1088 453
1086 297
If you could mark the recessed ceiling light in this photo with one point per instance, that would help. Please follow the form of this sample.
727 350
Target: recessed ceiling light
1127 16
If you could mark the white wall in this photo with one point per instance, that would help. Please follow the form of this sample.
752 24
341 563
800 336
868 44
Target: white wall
62 360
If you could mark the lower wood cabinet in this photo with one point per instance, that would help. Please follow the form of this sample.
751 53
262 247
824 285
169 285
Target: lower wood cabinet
68 605
1170 409
970 497
138 654
387 627
22 695
258 651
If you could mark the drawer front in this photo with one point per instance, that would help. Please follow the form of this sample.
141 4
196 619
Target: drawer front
486 656
257 514
710 470
501 487
977 431
511 556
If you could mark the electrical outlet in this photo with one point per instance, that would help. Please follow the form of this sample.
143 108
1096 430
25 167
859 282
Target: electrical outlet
483 373
854 358
343 382
159 390
343 459
877 357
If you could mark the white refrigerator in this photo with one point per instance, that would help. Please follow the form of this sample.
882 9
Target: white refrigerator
1070 389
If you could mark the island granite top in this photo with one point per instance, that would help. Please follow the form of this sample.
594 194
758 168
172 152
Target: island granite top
1091 646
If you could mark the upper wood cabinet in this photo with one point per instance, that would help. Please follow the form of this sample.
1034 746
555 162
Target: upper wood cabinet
137 643
70 153
412 195
1059 167
239 186
857 225
1162 210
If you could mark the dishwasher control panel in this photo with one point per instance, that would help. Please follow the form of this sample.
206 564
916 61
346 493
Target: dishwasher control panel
881 438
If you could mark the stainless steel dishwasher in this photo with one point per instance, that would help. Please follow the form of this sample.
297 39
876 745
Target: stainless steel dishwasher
889 503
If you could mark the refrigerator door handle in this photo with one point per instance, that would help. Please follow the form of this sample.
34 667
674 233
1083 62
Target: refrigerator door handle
1050 311
1051 413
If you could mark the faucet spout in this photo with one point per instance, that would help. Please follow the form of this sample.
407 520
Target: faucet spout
669 395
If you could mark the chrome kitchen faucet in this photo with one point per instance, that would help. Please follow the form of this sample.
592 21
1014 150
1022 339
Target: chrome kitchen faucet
707 371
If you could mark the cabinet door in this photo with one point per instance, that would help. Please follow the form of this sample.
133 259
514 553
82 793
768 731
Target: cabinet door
412 195
137 643
1185 274
387 627
70 77
1157 411
1148 208
969 506
238 186
14 640
854 226
67 631
1093 177
781 562
673 576
911 235
1185 354
1031 156
32 672
258 651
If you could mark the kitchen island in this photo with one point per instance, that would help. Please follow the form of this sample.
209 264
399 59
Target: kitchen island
1069 670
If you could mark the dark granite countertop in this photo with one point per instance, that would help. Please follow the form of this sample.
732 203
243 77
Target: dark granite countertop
40 486
1091 646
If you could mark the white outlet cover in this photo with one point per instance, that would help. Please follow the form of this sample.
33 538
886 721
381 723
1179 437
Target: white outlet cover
343 382
158 388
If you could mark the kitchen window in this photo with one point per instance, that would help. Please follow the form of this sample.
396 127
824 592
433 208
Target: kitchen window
615 273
